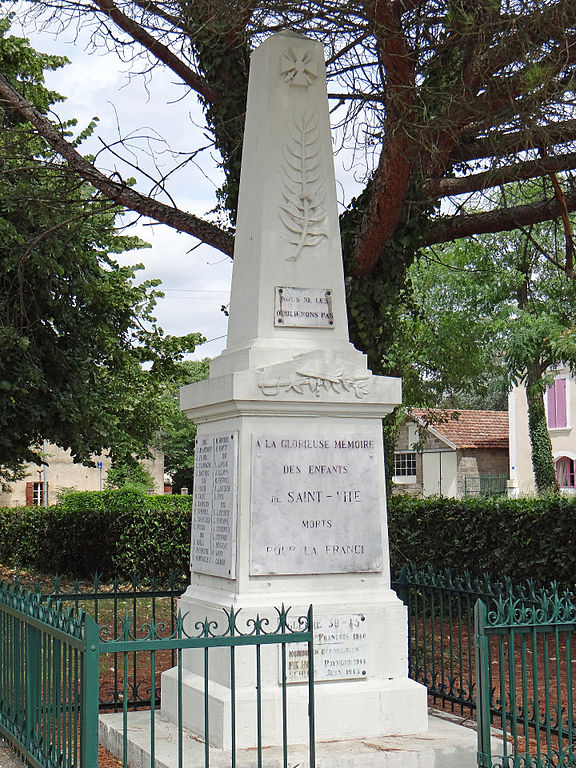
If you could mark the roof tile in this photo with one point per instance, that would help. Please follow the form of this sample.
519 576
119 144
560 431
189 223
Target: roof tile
467 429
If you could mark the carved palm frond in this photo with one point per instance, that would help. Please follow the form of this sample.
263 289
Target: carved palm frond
302 212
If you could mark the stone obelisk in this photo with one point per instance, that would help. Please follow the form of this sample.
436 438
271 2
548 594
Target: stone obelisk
289 495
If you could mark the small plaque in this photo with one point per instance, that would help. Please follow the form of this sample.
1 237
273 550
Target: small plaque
316 503
340 649
214 510
303 308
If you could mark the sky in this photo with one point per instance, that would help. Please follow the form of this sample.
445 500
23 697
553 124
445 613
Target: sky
195 277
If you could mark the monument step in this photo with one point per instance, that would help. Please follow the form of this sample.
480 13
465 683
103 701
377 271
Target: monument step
450 742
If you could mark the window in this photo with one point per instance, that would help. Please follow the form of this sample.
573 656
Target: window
565 472
405 464
556 404
35 494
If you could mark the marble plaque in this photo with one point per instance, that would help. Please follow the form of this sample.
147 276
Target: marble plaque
303 308
340 648
214 511
316 504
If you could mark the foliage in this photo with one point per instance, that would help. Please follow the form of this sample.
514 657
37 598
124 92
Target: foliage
179 432
116 532
75 328
486 314
521 538
447 346
128 473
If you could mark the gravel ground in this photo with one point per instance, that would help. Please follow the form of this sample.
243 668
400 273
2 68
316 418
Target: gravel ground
7 758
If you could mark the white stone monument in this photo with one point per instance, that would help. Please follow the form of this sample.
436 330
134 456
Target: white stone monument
289 496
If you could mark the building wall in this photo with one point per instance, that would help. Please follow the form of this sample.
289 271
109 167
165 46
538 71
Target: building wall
428 453
563 440
63 473
473 463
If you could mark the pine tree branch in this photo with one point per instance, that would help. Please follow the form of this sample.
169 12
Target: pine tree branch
397 160
529 169
500 145
449 228
157 49
117 191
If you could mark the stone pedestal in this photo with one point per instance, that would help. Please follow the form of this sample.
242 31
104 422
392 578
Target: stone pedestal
289 494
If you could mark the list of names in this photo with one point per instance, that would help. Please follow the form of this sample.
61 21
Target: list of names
214 512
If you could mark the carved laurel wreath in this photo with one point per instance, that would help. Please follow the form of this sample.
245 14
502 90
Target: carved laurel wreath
302 212
317 384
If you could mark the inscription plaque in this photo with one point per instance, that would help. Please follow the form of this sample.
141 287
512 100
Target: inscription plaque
303 308
214 510
315 505
340 647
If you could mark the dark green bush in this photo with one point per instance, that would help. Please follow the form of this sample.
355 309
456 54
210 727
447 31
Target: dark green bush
113 533
521 538
121 532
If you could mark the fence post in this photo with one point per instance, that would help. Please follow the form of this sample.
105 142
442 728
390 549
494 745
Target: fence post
311 710
403 585
484 755
90 694
33 661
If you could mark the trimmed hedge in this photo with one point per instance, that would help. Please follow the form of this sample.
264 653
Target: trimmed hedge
122 532
113 533
526 538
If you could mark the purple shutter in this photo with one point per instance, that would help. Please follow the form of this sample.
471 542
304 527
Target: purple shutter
560 387
551 403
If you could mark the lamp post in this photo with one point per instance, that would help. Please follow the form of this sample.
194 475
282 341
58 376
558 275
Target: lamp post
44 476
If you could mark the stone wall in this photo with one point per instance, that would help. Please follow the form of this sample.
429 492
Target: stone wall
473 463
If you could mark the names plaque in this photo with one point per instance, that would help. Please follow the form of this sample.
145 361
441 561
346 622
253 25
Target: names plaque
214 512
303 308
340 648
315 505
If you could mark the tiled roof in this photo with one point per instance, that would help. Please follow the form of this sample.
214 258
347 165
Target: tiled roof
467 429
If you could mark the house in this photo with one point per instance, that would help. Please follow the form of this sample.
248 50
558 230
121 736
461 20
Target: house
61 473
560 407
450 452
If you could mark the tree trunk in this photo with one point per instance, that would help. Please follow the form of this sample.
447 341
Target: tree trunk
542 461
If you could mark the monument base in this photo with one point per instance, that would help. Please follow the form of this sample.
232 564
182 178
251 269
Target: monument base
381 701
344 710
448 744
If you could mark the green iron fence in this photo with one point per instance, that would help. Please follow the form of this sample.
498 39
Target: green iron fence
441 628
501 653
441 631
149 601
51 662
46 684
485 485
524 658
231 634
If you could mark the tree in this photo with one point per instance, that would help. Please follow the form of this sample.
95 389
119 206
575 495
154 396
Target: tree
439 99
178 431
513 295
447 343
129 474
75 328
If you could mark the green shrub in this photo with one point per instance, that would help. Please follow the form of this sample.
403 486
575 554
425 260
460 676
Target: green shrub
522 538
113 533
